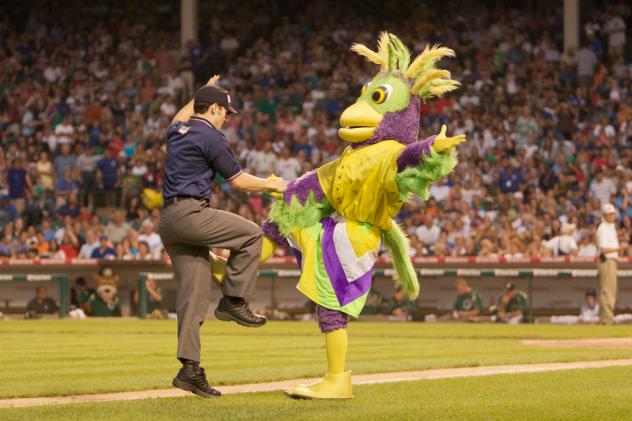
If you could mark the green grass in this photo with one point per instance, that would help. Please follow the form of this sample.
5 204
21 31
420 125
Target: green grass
53 357
604 394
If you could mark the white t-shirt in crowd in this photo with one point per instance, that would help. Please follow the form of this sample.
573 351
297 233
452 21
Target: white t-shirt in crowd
154 242
288 169
603 190
429 236
561 245
588 250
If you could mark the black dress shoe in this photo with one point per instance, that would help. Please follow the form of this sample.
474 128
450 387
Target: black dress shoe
237 310
193 379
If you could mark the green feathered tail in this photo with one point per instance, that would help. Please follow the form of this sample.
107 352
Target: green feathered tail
418 179
398 247
295 215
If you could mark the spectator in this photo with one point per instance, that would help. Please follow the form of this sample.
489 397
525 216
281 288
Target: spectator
150 238
41 304
89 246
428 233
108 177
117 229
104 251
563 244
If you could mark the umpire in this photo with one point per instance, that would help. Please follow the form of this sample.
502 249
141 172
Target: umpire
196 152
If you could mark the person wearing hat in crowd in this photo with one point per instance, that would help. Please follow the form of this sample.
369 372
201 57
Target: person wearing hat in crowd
589 312
104 250
609 248
513 306
196 152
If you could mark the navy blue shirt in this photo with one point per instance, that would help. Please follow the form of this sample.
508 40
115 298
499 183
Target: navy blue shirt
196 151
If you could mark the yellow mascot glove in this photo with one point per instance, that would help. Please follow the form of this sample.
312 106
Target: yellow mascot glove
443 143
276 195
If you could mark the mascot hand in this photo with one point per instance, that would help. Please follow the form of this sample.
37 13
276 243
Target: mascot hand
281 186
443 143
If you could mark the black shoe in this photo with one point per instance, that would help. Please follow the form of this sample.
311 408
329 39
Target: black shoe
237 310
192 379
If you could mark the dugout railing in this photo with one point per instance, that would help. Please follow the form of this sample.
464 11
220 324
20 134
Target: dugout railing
529 274
62 279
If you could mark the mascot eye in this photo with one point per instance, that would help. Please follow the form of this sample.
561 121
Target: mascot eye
381 94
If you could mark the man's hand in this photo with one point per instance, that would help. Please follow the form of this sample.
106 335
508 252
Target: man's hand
212 80
443 143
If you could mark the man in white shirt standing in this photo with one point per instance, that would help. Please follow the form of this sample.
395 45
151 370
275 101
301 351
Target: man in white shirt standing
609 249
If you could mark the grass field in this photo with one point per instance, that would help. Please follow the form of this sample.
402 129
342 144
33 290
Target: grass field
53 357
604 394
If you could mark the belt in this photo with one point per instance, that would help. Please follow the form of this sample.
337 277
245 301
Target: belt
173 200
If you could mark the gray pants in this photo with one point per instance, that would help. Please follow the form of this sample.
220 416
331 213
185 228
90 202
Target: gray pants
187 229
607 290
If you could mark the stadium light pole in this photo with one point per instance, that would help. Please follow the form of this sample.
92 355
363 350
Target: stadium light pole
571 24
188 31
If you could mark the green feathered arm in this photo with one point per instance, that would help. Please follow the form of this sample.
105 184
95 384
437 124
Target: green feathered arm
432 167
398 247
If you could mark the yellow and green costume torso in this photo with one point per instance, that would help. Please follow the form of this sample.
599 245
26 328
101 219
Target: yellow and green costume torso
338 254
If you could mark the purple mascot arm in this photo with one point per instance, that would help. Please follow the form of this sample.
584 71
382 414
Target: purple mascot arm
300 188
412 154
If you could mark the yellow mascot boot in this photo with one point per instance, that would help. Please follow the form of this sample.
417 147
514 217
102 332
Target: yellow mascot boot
218 263
337 383
218 268
267 249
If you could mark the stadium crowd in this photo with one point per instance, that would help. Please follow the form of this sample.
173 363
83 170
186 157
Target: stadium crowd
84 108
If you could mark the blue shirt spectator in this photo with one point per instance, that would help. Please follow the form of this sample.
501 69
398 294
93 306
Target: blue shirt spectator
108 170
104 250
17 180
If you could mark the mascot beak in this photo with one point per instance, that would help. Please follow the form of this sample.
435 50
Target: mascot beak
358 122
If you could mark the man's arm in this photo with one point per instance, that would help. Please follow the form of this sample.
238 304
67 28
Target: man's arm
187 111
249 183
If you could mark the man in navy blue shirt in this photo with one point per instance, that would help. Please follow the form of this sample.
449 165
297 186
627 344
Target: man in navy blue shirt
196 152
107 176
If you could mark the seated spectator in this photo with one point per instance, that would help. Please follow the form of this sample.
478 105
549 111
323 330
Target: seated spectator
151 238
117 229
144 252
513 306
41 304
91 244
8 212
563 244
468 302
590 309
104 250
399 307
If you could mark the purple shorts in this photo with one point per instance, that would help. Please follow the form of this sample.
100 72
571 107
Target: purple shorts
330 320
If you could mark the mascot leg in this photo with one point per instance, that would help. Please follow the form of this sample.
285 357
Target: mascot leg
337 382
271 240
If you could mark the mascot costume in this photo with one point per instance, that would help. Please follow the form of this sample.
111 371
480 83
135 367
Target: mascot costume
336 217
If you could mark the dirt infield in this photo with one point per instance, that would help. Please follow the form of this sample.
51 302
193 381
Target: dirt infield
618 343
357 380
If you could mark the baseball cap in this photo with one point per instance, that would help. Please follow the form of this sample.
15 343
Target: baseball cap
607 208
510 286
591 292
214 95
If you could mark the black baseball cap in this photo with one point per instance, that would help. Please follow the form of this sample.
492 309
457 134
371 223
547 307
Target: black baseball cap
214 95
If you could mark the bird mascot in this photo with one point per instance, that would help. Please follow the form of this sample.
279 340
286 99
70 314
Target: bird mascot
337 217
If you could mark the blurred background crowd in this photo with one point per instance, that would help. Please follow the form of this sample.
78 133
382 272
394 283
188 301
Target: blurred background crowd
84 104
